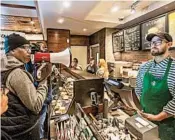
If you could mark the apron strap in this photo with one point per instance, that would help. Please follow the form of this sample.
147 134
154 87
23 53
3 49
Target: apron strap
149 66
168 67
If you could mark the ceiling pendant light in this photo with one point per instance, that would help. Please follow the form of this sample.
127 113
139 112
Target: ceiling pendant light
133 6
114 9
84 29
32 22
66 4
60 20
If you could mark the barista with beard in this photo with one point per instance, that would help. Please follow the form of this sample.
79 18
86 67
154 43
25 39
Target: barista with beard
155 86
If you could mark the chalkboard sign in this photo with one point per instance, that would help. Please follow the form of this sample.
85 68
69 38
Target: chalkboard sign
118 41
171 26
132 38
152 26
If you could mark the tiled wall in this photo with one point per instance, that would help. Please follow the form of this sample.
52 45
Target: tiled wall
99 37
136 56
108 43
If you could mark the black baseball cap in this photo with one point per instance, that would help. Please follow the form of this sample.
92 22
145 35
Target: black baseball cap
14 41
162 35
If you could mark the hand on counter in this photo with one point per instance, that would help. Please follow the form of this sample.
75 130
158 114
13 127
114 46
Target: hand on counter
159 117
148 116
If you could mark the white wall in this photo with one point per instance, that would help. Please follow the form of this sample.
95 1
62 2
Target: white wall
80 52
34 37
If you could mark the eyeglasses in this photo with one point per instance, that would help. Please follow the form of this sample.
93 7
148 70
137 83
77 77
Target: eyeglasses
157 43
26 47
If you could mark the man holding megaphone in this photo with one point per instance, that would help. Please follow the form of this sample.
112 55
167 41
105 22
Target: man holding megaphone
41 57
20 121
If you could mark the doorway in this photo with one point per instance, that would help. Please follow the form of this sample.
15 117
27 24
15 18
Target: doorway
80 52
95 52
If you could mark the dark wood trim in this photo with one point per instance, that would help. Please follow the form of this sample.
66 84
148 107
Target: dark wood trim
79 35
19 16
37 40
83 40
18 6
58 29
21 31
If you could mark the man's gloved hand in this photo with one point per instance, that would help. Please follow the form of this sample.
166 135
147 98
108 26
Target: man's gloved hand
43 72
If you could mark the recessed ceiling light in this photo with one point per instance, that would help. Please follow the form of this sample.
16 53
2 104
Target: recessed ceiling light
66 4
32 22
28 29
84 29
35 30
60 20
114 9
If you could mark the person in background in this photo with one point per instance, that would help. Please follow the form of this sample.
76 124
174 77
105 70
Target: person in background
48 100
155 86
44 109
75 65
91 67
3 108
20 121
103 69
33 71
43 47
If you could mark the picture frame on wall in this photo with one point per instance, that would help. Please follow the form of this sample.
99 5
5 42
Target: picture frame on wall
171 26
152 26
118 41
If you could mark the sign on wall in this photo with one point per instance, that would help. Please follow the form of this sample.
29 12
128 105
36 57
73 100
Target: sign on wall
118 41
171 26
132 38
152 26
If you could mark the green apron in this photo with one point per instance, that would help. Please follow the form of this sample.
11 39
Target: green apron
155 95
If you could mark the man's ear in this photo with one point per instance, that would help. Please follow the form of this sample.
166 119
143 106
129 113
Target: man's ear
13 52
169 44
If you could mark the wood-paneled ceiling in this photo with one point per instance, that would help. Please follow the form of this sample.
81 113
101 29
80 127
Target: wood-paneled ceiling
23 24
20 16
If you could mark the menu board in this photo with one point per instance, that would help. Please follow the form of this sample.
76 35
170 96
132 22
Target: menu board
118 41
152 26
171 26
132 38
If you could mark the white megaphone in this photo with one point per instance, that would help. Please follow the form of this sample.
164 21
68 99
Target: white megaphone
63 57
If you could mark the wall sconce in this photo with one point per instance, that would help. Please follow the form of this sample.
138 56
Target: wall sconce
133 10
133 6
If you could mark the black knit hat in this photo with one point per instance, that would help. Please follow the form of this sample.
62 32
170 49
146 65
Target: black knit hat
14 41
162 35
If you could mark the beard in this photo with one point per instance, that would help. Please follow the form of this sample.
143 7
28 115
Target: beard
157 52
